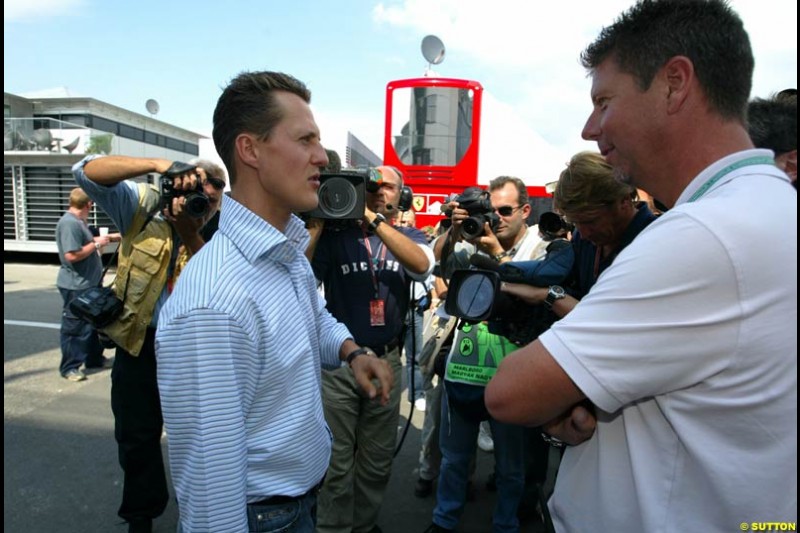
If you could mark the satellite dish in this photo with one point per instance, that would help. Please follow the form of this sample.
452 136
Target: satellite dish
152 106
433 49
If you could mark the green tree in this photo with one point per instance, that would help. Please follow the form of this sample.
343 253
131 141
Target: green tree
100 144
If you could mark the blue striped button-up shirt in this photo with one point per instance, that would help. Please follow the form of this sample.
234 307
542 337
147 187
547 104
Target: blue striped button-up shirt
239 348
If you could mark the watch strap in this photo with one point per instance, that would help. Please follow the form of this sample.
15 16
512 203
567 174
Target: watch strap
375 223
355 353
554 293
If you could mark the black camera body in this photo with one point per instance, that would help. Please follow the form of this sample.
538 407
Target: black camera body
195 203
342 195
475 295
478 205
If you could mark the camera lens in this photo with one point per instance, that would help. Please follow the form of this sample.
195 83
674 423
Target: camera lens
472 227
337 197
475 296
196 204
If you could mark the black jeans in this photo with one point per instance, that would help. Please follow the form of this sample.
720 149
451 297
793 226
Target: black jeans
137 427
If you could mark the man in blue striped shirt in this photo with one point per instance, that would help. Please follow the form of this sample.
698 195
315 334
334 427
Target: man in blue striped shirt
245 332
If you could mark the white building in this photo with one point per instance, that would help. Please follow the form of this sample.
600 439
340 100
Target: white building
44 134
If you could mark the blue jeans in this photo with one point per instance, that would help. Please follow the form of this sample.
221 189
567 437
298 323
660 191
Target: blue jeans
79 342
458 440
413 343
299 516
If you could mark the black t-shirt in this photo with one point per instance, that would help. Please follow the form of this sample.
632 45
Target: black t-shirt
342 263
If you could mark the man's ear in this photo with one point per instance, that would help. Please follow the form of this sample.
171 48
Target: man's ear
678 73
526 210
247 149
788 163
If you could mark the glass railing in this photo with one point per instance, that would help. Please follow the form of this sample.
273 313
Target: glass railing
56 137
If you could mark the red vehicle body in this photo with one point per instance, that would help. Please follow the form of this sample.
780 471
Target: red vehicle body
432 134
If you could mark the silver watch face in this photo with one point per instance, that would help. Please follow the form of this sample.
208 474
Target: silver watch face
557 292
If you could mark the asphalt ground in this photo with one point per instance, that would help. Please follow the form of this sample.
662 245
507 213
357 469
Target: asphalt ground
60 457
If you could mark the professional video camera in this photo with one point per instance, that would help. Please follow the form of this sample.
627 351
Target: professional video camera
195 202
475 295
478 204
342 195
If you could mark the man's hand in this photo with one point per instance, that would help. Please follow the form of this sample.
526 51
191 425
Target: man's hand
458 216
367 368
488 242
102 240
187 226
574 426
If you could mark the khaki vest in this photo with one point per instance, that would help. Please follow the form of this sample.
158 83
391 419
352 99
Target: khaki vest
141 272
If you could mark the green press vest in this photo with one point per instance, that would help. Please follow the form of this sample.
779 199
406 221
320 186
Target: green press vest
476 354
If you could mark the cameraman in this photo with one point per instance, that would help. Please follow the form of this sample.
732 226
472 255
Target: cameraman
462 405
149 261
366 271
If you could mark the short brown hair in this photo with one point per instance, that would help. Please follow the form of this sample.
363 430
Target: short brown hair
248 105
500 182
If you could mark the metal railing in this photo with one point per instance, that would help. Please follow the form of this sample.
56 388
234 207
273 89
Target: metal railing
56 136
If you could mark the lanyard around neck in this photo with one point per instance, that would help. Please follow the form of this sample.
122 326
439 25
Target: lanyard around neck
374 261
757 160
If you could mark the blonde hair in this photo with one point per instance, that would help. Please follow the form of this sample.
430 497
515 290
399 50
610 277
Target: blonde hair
78 199
589 182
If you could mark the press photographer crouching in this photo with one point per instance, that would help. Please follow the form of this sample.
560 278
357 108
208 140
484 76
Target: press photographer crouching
159 235
491 225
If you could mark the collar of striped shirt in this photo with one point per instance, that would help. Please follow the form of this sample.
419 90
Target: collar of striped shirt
256 238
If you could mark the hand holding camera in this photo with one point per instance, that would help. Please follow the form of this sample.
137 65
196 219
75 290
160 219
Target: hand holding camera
473 212
182 191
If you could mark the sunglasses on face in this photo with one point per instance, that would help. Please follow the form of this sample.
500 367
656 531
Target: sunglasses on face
506 210
215 182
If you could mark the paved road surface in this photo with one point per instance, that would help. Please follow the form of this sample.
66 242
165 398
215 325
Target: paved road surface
60 458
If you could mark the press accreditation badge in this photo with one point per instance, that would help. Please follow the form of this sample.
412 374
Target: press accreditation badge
377 316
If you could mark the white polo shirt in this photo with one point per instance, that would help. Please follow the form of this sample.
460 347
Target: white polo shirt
687 345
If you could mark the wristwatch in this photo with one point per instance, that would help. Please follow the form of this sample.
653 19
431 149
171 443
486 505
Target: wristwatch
552 441
556 292
374 224
502 255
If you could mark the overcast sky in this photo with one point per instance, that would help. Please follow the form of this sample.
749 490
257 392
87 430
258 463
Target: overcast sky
524 53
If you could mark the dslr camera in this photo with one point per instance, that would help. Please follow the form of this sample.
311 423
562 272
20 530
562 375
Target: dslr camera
478 204
195 201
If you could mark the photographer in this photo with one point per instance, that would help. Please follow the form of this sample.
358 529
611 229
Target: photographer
504 237
149 262
366 270
606 216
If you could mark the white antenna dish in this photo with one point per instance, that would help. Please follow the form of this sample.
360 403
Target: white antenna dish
152 107
433 49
